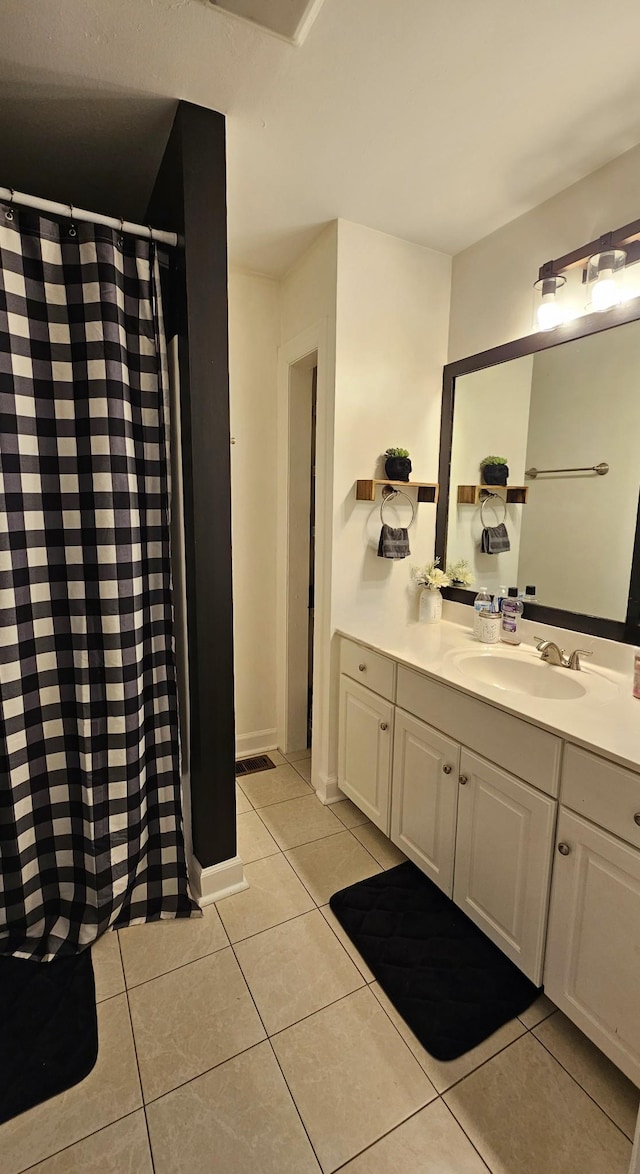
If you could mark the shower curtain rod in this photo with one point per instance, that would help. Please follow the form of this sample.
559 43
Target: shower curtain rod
70 210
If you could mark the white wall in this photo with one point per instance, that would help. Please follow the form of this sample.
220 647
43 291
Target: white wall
254 333
577 538
490 419
492 294
392 322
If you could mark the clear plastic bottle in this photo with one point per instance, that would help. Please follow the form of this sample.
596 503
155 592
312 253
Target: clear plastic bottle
512 609
502 594
482 602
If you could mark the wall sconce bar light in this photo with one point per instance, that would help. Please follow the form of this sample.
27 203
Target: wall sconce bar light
602 261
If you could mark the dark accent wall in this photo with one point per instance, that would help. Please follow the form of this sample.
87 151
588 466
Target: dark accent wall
190 198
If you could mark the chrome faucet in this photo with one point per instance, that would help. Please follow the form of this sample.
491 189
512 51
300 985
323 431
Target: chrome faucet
552 654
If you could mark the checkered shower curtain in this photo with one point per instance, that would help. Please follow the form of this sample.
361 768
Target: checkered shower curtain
90 815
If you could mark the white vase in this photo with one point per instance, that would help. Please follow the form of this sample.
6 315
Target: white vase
430 609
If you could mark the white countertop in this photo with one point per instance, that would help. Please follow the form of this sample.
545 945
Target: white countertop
608 725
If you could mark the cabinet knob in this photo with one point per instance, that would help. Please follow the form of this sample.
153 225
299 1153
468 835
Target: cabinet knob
447 768
463 780
636 818
362 668
383 726
564 849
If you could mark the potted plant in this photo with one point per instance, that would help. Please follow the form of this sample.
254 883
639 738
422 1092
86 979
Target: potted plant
495 470
431 579
397 465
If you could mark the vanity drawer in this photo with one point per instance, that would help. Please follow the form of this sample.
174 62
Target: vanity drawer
372 669
603 792
523 749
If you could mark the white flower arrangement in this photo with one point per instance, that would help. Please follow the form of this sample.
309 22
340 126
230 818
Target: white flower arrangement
431 576
460 573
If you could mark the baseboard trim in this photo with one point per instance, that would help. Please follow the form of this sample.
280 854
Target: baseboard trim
217 881
327 789
257 743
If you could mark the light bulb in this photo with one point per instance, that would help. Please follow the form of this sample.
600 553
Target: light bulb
605 292
549 313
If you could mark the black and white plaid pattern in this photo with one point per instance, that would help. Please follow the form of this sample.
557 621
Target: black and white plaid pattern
90 815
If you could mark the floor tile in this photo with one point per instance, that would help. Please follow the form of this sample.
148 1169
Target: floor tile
295 969
344 938
121 1148
242 803
379 845
254 841
347 812
191 1019
351 1076
107 966
524 1113
274 895
110 1091
325 866
538 1011
298 755
431 1142
273 786
303 768
153 949
604 1082
298 821
238 1119
444 1073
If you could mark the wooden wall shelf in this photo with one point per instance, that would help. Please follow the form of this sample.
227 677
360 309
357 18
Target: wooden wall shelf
472 494
427 490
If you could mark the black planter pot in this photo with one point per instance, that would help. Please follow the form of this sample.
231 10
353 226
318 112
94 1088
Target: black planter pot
495 474
397 468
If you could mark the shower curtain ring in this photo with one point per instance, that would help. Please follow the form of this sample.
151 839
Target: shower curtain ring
9 213
121 237
72 229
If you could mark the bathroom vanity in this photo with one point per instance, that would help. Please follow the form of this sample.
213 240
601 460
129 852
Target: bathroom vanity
515 786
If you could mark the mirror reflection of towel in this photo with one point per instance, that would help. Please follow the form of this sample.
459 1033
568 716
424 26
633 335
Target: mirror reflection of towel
495 539
394 542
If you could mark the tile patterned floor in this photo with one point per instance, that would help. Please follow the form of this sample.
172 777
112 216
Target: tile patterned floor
255 1040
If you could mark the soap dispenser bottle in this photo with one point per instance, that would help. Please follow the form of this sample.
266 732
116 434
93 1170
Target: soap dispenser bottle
512 609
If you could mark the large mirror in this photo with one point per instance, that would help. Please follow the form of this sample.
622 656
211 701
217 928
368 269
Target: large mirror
567 418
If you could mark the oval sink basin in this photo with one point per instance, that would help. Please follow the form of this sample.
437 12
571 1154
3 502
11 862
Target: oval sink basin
533 677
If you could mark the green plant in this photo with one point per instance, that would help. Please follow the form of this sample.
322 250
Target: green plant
493 461
397 452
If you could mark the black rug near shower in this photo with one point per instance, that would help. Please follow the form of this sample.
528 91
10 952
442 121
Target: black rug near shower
48 1029
450 984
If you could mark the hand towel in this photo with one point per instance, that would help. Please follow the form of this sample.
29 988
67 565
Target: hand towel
394 542
495 539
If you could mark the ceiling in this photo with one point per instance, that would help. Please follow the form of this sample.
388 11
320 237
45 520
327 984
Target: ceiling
433 120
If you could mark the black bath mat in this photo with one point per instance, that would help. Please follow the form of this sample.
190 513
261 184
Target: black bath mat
48 1029
451 985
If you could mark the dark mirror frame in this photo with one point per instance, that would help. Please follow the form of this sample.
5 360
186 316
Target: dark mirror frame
627 630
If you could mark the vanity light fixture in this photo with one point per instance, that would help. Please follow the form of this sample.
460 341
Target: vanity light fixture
602 265
603 273
549 312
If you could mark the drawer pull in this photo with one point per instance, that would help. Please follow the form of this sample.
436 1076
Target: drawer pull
362 668
636 818
383 726
447 768
564 849
463 780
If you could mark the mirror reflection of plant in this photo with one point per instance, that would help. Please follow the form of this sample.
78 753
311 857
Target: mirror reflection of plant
460 573
430 576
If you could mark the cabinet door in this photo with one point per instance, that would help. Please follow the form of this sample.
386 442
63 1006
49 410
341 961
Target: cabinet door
592 965
503 860
364 751
424 797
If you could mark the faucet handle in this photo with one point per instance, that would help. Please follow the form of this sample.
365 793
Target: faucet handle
574 659
539 641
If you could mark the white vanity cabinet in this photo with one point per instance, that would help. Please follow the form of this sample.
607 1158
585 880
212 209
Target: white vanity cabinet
592 964
364 754
504 844
426 766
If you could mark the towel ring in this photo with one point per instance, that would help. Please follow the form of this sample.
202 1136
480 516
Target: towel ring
388 494
488 496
